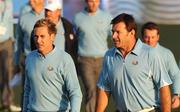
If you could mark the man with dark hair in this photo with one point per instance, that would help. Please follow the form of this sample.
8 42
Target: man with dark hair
51 82
151 36
132 73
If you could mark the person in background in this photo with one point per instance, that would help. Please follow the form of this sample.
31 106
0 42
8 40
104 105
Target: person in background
132 72
23 32
22 36
51 81
65 38
151 36
6 54
92 26
17 76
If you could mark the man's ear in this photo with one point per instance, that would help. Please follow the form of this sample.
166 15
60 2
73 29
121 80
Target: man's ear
158 36
132 32
52 36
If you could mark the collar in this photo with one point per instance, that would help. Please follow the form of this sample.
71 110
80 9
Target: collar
158 45
41 13
50 54
136 50
87 13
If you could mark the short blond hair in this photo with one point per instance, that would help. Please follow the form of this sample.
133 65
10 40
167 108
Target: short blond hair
46 22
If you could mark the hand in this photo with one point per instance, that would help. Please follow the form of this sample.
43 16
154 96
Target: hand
175 101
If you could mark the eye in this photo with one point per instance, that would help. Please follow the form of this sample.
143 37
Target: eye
35 37
42 36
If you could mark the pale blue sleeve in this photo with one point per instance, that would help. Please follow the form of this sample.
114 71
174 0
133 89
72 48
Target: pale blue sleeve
103 81
26 93
10 17
18 45
7 18
174 73
72 84
159 71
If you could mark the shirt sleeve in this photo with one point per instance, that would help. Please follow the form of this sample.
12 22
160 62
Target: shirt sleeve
72 85
26 93
9 15
18 45
103 81
160 73
174 73
7 19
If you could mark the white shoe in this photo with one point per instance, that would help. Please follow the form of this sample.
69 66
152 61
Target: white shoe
14 108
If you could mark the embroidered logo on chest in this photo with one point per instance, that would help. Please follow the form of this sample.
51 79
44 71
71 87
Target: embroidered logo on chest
134 62
50 68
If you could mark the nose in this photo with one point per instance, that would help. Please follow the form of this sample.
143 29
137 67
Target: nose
37 40
114 35
149 40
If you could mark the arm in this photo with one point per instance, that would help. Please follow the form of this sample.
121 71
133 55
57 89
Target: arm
18 45
162 80
26 94
72 85
174 74
102 100
165 96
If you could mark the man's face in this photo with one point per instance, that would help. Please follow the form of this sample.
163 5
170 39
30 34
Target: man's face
43 40
92 5
36 3
151 37
121 37
53 15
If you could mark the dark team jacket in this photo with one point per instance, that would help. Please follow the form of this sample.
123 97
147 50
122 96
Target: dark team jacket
71 42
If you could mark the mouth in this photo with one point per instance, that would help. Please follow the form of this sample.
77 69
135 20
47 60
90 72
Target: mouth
39 46
116 41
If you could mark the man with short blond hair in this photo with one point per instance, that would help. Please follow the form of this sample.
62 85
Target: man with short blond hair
51 83
65 38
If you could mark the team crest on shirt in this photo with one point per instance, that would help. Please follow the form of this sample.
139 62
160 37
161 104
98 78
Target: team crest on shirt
134 62
71 36
50 68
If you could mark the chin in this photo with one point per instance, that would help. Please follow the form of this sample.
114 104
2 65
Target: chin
40 50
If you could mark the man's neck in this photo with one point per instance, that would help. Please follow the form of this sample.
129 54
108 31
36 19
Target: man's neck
128 49
38 10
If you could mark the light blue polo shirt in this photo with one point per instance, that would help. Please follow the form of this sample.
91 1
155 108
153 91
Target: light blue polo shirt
51 83
133 81
92 32
23 33
171 66
6 20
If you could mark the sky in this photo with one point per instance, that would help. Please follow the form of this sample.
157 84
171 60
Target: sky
17 4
